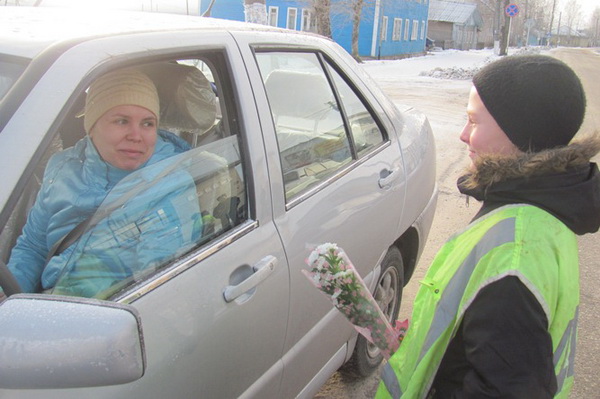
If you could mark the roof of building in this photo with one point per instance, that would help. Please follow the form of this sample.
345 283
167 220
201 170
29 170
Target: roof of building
457 13
567 31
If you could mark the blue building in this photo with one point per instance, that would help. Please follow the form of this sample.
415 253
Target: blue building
388 28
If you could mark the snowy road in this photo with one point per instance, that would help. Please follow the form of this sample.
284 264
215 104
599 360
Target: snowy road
444 102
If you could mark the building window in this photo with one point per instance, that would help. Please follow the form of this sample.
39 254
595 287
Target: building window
415 31
397 31
291 18
384 28
406 28
306 23
273 15
422 30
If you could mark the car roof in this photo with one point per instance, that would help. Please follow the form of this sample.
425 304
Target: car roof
26 31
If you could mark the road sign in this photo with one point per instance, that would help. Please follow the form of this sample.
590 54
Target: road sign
511 10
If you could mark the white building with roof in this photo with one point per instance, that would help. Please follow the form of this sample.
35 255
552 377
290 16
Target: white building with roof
454 25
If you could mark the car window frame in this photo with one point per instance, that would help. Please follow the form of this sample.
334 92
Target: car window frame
326 61
230 115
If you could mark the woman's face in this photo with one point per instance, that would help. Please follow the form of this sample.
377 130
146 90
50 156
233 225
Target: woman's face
125 136
482 133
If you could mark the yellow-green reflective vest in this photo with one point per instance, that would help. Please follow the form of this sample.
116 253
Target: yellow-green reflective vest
515 240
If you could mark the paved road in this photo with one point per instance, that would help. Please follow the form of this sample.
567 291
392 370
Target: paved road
587 367
444 106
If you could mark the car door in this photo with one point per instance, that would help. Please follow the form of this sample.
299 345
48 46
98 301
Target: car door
214 312
342 182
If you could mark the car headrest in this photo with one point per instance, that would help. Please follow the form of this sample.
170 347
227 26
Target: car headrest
296 93
187 100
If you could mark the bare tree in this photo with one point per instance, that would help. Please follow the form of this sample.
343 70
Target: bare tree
356 17
504 30
352 12
255 11
322 10
594 27
572 15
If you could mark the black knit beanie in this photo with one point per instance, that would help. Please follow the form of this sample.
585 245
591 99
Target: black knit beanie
537 100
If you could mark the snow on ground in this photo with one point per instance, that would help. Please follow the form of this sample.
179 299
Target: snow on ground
445 64
413 67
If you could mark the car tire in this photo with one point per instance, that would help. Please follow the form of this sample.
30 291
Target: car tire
388 294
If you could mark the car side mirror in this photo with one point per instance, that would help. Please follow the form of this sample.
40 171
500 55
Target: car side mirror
49 341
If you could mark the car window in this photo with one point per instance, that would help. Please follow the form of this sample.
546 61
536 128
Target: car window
10 70
320 122
156 215
363 127
162 211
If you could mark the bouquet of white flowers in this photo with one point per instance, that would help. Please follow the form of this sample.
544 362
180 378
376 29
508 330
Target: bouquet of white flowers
333 274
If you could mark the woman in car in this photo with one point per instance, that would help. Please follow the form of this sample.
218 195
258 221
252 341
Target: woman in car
119 167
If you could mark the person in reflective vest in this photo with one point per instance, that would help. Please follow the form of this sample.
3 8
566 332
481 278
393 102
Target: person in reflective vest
496 314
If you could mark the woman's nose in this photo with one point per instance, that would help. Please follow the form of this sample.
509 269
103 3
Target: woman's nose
135 133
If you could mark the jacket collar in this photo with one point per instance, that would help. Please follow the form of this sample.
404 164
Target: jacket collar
561 181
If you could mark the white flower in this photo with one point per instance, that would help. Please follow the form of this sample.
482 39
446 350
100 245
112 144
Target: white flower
318 252
316 278
312 258
342 274
324 248
335 295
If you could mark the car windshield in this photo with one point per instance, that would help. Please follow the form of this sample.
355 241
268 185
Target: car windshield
10 70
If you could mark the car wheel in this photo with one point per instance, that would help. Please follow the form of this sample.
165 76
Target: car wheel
388 294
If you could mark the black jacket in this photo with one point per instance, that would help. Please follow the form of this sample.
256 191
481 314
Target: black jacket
502 348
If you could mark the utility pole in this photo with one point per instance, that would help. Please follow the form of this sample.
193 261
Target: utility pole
497 28
551 22
558 30
596 37
504 31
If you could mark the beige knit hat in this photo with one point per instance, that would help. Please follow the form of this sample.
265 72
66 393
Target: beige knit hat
123 87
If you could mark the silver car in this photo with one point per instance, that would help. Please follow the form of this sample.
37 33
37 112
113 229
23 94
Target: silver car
292 145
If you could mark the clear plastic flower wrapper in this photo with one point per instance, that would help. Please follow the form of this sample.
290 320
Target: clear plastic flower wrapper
331 271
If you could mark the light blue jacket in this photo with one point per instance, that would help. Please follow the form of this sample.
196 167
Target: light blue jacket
141 218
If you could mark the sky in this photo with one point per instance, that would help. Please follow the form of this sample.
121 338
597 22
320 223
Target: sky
588 6
192 6
169 6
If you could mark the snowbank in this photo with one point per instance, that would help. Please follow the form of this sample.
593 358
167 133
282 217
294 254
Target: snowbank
448 64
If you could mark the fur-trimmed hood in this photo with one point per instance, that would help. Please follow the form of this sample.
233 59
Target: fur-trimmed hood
561 181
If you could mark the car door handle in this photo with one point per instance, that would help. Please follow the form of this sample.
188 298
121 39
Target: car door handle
388 176
262 270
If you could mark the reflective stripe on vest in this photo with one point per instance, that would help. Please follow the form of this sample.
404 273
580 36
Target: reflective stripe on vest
452 302
569 338
501 233
391 381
